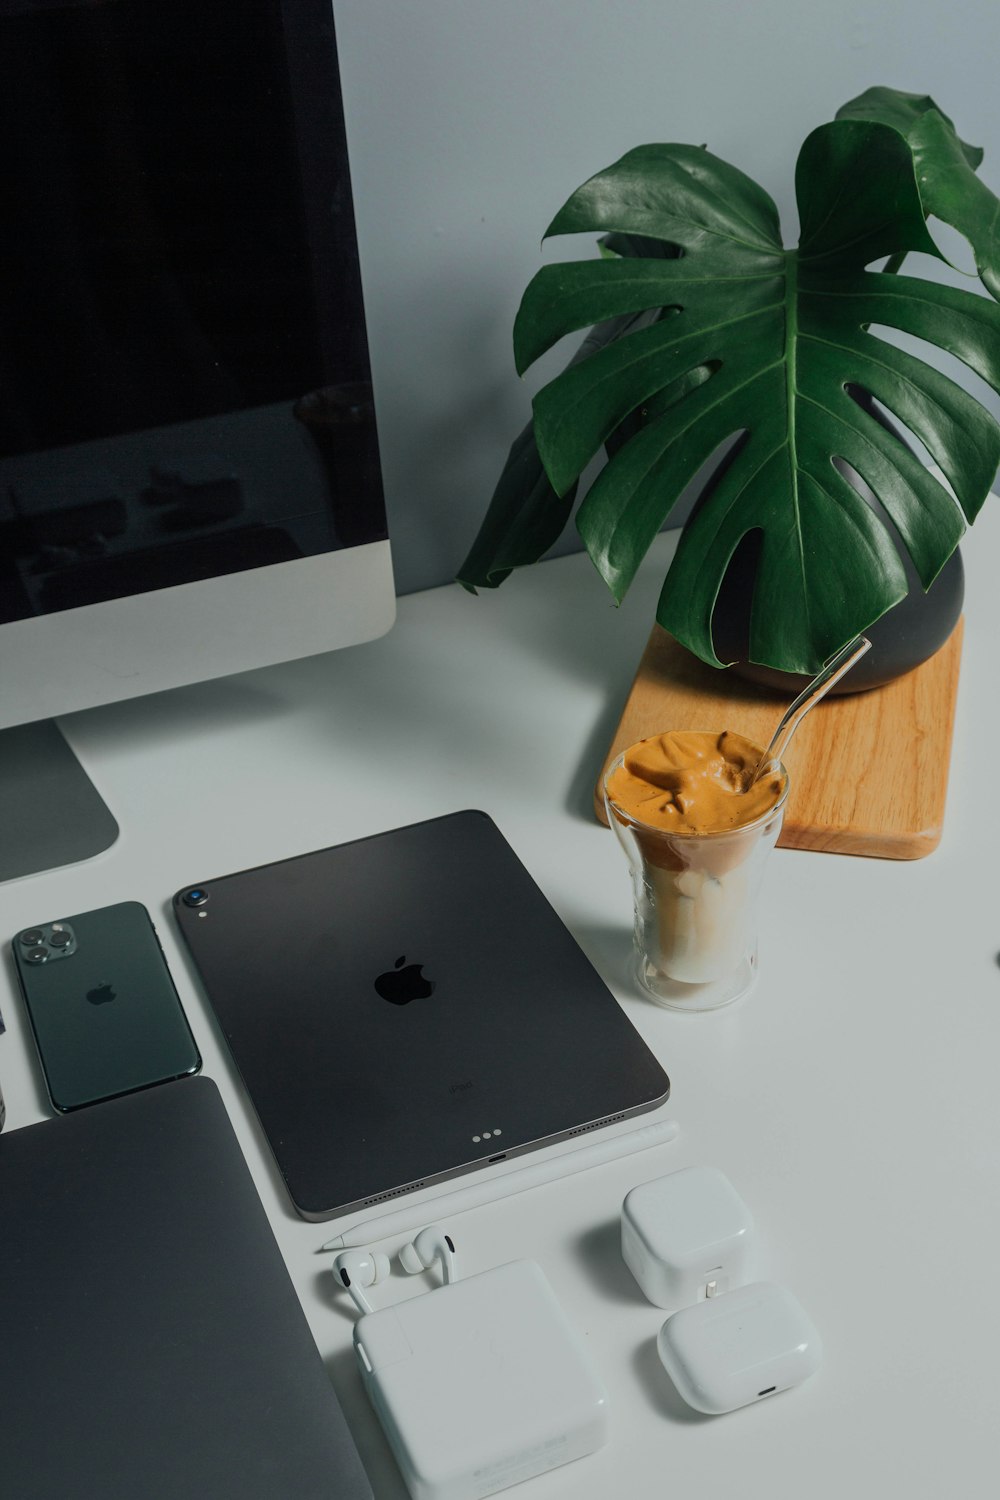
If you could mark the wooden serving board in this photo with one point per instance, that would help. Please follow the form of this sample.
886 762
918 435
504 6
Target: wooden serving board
868 772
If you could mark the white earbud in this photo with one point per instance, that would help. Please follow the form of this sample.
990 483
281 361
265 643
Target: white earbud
356 1269
431 1244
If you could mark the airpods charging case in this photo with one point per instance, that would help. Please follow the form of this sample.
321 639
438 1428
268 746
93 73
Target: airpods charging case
481 1383
734 1350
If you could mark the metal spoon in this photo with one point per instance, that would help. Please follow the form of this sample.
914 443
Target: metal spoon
821 684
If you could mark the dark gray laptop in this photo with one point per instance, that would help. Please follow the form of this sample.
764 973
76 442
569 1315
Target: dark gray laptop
151 1342
408 1007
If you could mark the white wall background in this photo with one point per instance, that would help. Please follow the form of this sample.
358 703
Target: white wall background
471 121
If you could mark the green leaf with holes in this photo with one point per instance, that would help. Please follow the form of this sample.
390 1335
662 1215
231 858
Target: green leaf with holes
722 333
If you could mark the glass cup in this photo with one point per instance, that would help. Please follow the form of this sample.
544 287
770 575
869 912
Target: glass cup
696 904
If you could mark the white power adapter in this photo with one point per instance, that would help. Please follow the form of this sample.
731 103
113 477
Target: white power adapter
481 1383
687 1237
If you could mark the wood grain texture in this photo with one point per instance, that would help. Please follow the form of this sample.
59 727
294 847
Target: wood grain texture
868 772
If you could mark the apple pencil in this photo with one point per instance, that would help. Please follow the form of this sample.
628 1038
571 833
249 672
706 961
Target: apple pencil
490 1189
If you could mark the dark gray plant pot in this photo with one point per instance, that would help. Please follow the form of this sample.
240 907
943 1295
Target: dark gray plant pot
909 634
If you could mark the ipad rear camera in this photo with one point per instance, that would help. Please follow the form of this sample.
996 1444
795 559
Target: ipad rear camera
196 896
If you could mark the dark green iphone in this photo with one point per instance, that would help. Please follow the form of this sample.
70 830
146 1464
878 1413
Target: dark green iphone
105 1014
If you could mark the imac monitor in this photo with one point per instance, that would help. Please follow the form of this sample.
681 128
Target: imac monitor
189 472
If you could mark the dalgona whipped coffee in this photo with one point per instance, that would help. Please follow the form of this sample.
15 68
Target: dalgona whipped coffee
697 830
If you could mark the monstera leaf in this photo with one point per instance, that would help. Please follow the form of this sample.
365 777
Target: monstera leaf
743 338
944 171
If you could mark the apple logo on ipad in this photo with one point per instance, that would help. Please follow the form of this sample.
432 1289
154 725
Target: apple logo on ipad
101 994
404 982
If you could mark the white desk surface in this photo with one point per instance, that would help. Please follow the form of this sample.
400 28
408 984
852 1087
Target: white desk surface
852 1098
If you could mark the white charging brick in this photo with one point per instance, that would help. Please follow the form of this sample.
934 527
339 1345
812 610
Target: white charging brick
481 1384
687 1237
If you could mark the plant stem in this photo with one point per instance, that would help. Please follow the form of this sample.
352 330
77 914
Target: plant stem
893 264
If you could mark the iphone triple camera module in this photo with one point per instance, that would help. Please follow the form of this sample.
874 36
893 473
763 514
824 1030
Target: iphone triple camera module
40 945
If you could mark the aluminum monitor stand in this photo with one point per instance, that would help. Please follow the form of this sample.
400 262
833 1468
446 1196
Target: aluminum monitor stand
51 814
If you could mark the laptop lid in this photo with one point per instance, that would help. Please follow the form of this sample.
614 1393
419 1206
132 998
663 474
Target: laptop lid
152 1342
408 1007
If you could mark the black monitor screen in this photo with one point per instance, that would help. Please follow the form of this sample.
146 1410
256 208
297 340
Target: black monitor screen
184 379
